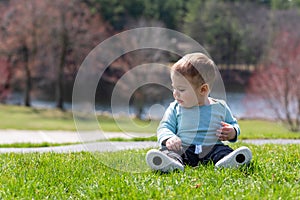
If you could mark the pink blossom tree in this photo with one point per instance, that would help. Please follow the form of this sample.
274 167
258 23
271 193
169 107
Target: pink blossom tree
277 79
21 36
73 32
4 80
48 40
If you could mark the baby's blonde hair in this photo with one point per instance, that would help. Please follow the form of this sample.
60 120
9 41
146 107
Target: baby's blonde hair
197 67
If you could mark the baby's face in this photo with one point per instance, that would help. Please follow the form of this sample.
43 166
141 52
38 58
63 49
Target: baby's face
183 91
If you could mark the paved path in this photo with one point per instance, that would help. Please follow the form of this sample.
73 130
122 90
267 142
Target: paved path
92 147
13 136
272 141
26 136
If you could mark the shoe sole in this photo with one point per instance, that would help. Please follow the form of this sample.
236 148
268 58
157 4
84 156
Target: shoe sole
157 160
240 156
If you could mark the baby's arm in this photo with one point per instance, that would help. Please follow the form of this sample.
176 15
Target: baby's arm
230 128
173 143
166 132
226 132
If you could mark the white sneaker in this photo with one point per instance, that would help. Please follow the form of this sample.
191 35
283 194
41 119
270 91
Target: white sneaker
157 160
238 157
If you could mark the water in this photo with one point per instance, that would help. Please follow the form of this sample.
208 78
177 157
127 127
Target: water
240 106
236 103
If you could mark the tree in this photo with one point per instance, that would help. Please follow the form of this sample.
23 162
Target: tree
117 13
49 40
4 66
21 34
128 65
283 4
5 80
73 31
278 78
230 31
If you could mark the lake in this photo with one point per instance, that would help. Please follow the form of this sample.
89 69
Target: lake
241 107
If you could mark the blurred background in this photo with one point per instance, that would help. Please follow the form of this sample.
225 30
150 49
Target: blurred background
255 44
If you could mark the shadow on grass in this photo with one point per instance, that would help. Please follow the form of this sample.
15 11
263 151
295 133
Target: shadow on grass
34 145
250 168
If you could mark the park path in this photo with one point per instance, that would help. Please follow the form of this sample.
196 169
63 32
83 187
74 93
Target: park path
17 136
58 137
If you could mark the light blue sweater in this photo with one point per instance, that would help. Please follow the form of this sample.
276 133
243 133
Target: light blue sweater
197 125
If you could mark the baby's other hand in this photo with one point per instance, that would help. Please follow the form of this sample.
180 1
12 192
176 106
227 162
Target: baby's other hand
226 132
174 143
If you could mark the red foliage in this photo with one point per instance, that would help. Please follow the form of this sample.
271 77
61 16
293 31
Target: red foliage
48 40
4 80
277 79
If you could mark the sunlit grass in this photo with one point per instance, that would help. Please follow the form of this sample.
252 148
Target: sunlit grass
273 174
253 129
22 118
33 145
19 117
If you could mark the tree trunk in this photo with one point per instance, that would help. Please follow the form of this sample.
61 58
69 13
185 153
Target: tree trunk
138 103
27 99
60 82
60 70
60 88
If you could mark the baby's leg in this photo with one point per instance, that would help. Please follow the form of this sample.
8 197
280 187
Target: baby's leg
164 160
236 158
214 153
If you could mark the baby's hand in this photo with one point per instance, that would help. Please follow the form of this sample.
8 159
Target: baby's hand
226 132
174 143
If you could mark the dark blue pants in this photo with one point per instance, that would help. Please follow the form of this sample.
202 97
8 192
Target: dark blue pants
187 156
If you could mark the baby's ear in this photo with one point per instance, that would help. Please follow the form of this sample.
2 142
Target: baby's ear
204 89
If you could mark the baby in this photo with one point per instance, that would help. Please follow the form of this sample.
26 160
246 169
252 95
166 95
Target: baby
195 125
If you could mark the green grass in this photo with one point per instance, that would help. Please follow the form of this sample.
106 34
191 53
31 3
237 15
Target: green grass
260 129
22 118
273 174
33 145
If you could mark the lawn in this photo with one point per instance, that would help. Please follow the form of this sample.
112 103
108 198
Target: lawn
273 174
22 118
